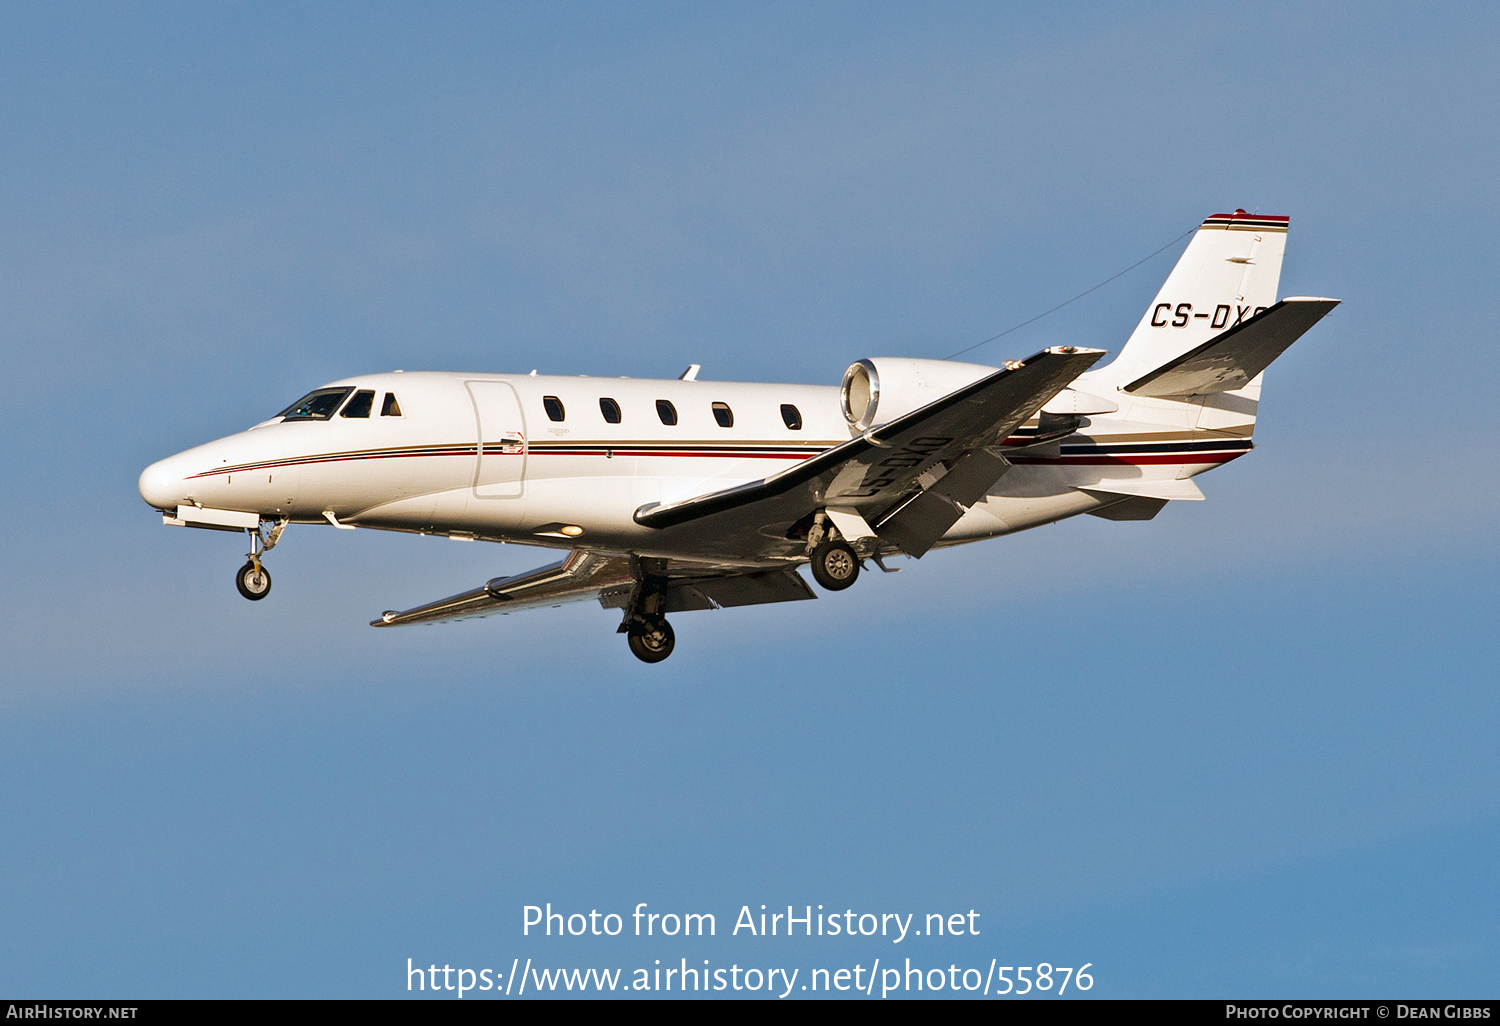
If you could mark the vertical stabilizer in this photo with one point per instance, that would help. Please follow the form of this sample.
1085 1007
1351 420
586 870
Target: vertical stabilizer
1227 274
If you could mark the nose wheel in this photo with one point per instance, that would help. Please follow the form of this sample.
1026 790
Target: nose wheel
254 581
651 639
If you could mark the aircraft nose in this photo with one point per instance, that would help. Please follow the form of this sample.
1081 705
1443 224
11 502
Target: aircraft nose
161 485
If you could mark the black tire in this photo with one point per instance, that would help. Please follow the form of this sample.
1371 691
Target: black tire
834 565
254 585
651 640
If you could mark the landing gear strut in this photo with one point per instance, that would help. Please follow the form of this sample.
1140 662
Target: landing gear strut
645 625
253 580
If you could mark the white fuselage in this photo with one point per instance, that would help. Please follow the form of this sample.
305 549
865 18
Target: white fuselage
480 456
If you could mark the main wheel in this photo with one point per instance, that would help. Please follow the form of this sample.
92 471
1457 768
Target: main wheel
834 565
254 584
651 640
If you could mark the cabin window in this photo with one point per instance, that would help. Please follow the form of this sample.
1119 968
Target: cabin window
390 408
319 405
723 414
791 417
667 412
610 409
360 405
554 407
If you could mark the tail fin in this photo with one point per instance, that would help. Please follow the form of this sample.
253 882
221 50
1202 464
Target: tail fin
1227 274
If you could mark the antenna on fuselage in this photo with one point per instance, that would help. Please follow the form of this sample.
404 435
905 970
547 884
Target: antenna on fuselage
691 374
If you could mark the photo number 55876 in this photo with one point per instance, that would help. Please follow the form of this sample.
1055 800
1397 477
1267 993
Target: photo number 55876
1044 978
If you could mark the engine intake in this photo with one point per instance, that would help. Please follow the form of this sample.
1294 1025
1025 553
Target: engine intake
878 390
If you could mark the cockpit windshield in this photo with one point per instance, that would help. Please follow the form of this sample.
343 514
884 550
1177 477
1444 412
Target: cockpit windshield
319 405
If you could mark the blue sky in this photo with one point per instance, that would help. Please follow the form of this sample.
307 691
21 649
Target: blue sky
1246 748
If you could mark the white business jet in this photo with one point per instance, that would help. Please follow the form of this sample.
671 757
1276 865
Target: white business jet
668 496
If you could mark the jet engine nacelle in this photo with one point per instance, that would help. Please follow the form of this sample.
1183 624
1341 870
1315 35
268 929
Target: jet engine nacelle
879 390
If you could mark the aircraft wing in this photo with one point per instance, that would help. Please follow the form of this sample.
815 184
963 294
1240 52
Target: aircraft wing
1232 359
905 482
606 576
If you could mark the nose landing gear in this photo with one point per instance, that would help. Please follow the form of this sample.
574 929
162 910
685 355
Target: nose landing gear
253 580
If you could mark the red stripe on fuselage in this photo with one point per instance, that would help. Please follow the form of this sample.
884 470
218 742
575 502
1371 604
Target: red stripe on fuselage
301 461
1135 459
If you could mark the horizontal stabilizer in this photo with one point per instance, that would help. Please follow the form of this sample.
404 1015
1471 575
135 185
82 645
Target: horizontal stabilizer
1232 359
1147 489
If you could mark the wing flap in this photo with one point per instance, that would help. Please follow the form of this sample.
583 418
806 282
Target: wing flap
607 576
722 592
916 525
755 589
581 575
1232 359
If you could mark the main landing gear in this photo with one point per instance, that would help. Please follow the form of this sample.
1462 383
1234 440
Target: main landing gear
835 564
645 625
253 580
652 639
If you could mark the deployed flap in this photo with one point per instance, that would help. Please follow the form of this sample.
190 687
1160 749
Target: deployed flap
688 593
1231 360
1165 489
582 575
884 467
607 576
747 589
917 524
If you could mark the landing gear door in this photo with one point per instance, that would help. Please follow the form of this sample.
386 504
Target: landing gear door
500 471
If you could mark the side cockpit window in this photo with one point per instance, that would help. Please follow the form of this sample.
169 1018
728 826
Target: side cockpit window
319 405
390 408
360 405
